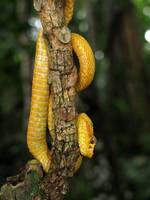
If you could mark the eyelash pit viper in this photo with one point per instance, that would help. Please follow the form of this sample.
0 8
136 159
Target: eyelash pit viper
41 102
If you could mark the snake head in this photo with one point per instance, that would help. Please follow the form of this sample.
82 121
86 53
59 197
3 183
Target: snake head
86 138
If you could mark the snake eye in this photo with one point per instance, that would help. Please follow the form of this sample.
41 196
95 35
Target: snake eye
93 140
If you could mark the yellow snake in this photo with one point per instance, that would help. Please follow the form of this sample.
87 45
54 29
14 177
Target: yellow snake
41 102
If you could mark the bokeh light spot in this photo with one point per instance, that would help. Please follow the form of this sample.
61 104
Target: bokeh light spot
147 36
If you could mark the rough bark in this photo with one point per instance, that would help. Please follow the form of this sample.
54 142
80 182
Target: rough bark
25 185
63 76
31 183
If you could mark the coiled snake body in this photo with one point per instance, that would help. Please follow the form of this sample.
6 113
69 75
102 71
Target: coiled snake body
41 103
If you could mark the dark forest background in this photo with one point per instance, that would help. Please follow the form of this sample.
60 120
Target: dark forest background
118 101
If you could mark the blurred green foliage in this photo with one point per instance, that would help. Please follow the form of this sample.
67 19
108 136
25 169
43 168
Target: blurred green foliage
120 168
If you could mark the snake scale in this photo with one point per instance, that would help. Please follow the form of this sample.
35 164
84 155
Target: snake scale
41 102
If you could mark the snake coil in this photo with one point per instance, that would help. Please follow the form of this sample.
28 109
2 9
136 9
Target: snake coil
41 102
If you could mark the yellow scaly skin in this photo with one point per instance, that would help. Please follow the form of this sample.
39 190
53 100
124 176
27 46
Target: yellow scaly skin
36 133
69 7
41 105
86 60
86 138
